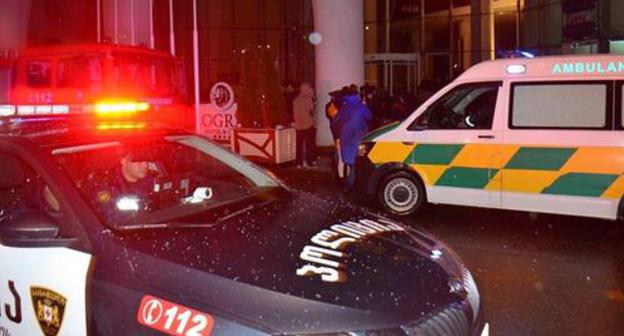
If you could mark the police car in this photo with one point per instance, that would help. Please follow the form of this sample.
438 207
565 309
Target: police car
125 228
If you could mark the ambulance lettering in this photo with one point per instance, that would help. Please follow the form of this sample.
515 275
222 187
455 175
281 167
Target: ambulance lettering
331 242
40 98
587 67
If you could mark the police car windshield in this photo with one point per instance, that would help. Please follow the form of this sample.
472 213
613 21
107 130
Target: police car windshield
143 182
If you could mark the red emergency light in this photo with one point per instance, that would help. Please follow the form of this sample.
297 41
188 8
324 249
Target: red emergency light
120 126
119 109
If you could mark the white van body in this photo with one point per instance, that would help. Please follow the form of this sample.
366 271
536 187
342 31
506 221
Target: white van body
542 134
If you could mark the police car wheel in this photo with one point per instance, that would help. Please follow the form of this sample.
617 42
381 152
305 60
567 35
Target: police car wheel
401 194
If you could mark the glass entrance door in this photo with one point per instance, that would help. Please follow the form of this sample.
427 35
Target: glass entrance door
394 73
437 66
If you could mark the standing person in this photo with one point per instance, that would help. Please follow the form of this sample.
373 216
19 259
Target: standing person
331 111
367 94
354 90
352 124
398 111
303 116
289 95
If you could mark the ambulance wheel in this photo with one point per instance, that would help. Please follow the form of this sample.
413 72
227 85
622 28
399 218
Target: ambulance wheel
401 193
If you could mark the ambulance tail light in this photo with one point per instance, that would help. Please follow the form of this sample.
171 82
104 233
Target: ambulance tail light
120 109
516 69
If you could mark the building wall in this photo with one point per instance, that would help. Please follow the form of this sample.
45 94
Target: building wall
61 21
541 22
477 30
227 27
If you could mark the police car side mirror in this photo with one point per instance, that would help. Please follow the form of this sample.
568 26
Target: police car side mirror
29 228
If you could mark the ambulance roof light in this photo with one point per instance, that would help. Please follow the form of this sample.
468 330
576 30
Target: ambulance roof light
516 69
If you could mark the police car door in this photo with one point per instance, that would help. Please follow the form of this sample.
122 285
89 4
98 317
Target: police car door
458 146
42 276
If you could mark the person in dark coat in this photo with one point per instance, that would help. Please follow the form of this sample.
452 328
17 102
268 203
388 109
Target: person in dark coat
351 123
331 111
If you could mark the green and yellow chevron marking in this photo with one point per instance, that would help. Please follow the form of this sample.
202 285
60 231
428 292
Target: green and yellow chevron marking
583 171
433 154
534 158
384 152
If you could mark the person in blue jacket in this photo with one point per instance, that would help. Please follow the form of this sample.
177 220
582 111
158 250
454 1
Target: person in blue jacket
351 123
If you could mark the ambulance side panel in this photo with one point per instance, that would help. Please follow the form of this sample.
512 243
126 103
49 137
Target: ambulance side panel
568 165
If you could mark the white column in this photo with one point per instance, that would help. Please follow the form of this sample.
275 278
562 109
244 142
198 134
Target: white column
482 30
487 30
339 56
151 23
98 21
127 21
171 29
196 64
116 26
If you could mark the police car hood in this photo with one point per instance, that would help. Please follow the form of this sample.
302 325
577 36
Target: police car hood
304 258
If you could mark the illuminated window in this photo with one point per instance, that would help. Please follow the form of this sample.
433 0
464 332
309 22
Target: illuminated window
565 105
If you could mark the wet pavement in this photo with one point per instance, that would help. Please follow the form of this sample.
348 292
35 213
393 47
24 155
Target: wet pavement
538 274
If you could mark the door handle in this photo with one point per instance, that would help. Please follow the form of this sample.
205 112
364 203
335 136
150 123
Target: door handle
484 136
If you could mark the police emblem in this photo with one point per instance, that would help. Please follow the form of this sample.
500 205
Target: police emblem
49 308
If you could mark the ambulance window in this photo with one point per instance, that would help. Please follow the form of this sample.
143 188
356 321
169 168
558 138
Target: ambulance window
38 73
468 106
80 72
559 105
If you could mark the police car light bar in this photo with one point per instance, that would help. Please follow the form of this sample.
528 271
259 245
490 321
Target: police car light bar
118 109
32 110
7 110
516 69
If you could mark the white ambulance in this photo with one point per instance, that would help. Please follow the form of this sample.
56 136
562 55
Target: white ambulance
541 134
